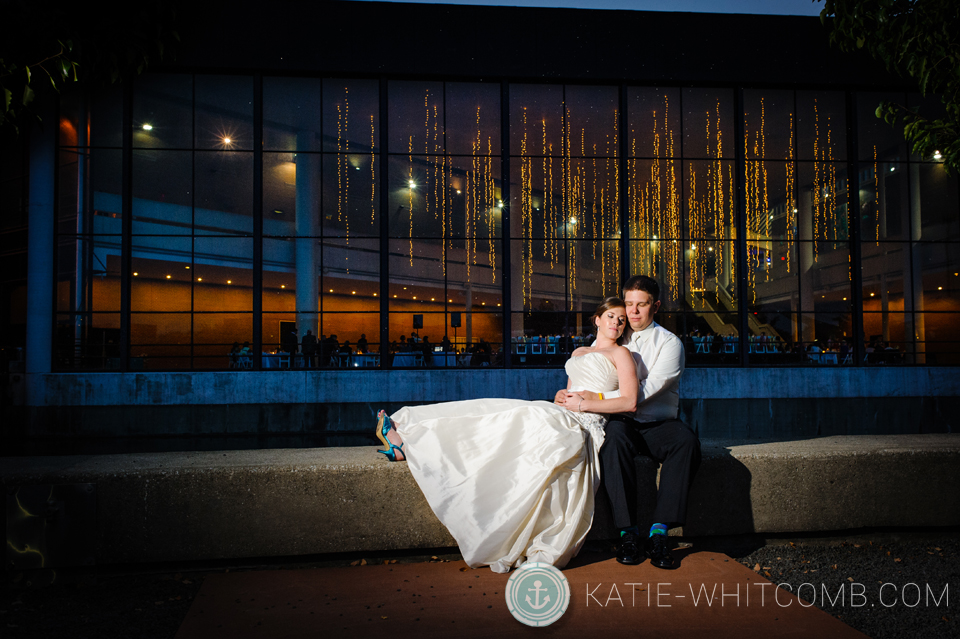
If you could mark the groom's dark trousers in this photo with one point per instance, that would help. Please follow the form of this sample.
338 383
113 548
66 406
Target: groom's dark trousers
670 442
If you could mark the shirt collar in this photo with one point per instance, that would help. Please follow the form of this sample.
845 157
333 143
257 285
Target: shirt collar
644 335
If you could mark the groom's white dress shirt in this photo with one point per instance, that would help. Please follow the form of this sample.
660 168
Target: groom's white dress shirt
659 357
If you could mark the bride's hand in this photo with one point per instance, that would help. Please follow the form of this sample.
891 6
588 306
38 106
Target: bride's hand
571 401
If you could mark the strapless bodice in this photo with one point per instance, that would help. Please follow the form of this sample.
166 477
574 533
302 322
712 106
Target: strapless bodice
592 372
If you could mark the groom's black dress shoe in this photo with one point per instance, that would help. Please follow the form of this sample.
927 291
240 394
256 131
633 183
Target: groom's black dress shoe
656 549
629 551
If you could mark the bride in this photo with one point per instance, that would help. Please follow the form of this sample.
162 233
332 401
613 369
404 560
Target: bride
513 480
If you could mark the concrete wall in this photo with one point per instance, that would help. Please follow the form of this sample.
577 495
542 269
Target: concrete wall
232 504
331 387
336 408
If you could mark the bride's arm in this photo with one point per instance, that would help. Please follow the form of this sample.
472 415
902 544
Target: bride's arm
627 377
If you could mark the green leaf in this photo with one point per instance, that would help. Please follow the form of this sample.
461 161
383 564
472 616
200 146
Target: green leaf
7 98
28 74
28 95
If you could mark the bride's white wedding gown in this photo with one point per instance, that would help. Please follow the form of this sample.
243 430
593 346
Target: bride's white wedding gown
512 480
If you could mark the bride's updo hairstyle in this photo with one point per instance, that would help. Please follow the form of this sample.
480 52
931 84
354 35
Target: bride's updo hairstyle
609 302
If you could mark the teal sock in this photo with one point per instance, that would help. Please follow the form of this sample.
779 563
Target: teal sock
658 529
630 529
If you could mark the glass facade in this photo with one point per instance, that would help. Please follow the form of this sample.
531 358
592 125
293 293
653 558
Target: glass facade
210 221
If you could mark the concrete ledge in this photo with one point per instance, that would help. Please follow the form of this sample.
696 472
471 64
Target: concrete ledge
232 504
426 385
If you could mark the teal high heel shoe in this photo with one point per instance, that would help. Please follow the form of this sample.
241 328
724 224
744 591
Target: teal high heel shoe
392 453
384 424
383 427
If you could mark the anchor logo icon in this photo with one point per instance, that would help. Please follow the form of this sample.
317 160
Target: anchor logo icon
537 594
537 590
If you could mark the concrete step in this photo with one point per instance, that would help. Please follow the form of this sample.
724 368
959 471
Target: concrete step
231 504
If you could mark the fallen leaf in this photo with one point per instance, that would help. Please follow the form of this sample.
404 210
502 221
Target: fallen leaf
363 562
355 563
897 560
849 578
464 569
756 568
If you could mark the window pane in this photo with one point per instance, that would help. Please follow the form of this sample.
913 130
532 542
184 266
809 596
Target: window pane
708 123
878 140
161 340
474 206
281 198
774 338
536 120
884 197
822 212
89 273
935 205
654 122
90 341
224 184
215 333
161 274
224 112
279 274
709 276
291 121
821 126
473 118
940 286
710 198
416 117
223 271
351 193
594 272
769 128
351 116
711 339
654 198
825 277
937 342
163 111
351 275
89 193
415 281
882 266
162 192
539 272
94 120
545 338
828 331
593 121
473 275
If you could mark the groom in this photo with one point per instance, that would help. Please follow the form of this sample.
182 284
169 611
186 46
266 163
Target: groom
653 430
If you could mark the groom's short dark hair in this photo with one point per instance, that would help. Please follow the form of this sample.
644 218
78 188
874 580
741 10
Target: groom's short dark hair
642 283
